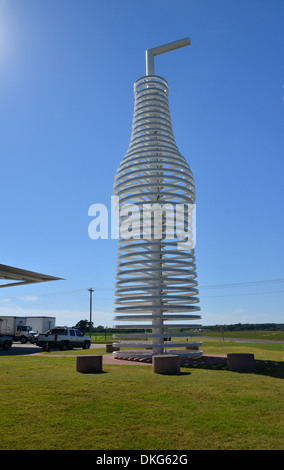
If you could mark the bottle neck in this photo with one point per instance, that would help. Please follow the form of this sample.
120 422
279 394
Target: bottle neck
151 126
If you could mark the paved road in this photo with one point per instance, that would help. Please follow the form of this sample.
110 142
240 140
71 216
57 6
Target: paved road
19 349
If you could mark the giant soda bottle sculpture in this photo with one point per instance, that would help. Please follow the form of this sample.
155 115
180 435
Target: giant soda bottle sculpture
156 284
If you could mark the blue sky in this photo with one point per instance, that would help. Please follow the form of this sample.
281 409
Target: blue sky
67 69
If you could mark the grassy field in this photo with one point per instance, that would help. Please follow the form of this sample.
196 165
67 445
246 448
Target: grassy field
249 334
243 334
45 404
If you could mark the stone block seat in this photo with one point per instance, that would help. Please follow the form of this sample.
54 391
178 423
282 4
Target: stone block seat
110 348
166 364
240 362
89 364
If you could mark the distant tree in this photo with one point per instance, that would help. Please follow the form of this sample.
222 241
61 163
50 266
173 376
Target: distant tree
100 329
83 325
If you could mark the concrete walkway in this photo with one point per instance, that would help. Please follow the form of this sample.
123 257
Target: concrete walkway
32 350
205 359
109 359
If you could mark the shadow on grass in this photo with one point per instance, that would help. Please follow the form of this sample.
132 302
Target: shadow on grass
269 368
177 373
20 350
262 367
92 373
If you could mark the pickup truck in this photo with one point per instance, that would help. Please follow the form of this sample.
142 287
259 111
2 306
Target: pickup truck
63 338
5 342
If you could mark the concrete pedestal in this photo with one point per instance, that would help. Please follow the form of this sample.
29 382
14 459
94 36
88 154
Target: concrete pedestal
166 364
89 364
110 348
240 362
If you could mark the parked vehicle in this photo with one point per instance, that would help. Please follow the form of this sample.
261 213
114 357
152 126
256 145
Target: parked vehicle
40 325
17 328
5 342
24 329
63 338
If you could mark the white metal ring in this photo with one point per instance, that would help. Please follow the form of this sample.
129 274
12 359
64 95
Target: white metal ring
156 280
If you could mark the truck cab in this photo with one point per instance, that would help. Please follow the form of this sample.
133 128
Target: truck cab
24 333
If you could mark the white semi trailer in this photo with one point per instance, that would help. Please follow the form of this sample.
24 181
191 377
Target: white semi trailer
24 329
41 324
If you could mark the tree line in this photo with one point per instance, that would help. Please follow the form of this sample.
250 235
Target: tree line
84 326
246 326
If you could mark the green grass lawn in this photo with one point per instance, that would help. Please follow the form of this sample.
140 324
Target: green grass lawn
249 334
245 334
102 337
45 404
262 351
